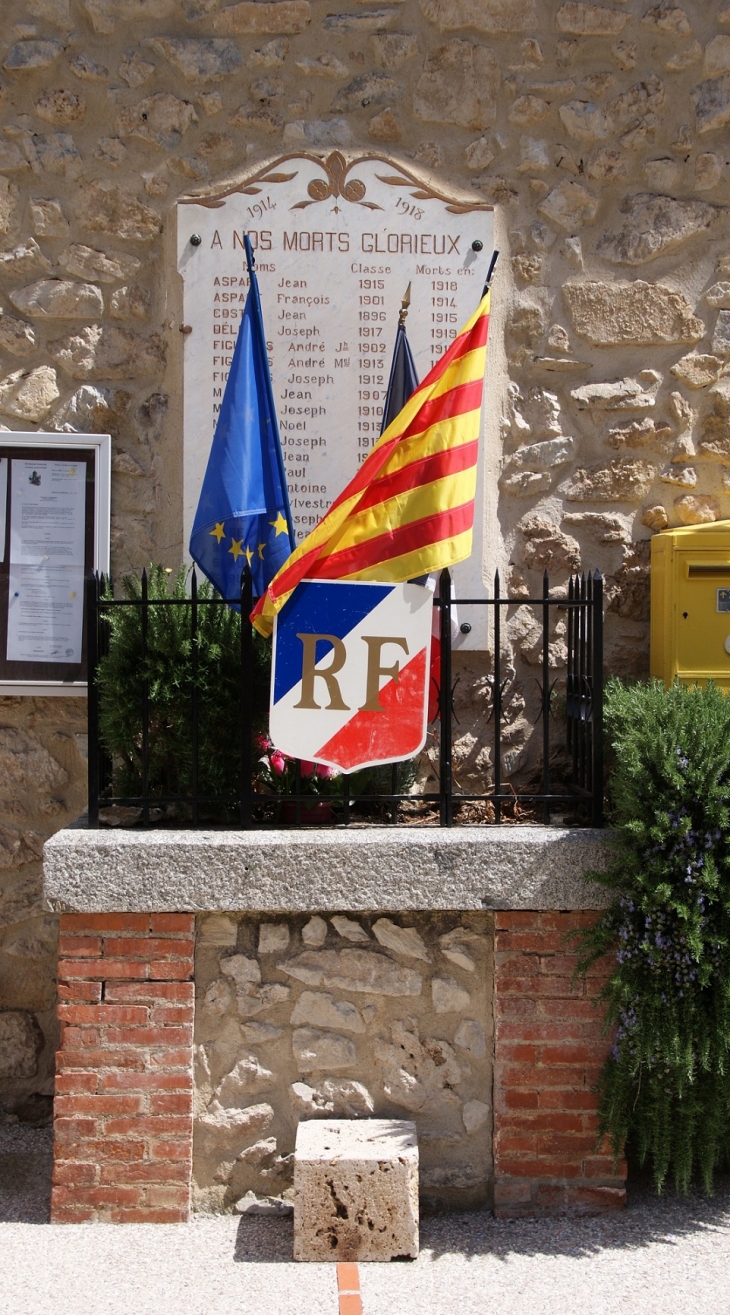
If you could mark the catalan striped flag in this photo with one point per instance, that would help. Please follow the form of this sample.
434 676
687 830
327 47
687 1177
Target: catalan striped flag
410 508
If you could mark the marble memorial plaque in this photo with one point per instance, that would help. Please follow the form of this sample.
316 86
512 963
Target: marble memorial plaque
337 240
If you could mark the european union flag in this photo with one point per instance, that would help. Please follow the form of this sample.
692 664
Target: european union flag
243 515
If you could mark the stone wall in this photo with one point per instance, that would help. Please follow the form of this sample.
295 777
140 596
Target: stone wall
597 131
42 787
161 1106
344 1016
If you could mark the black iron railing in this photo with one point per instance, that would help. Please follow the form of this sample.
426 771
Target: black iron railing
568 779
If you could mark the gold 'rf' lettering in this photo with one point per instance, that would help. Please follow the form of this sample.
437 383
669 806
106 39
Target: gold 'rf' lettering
376 669
309 671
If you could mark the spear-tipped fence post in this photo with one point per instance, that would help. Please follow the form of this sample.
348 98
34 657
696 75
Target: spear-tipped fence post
246 699
145 705
546 696
92 664
445 770
597 700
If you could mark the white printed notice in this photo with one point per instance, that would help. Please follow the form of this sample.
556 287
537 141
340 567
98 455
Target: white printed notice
46 577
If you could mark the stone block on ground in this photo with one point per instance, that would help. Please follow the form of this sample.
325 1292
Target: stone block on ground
356 1190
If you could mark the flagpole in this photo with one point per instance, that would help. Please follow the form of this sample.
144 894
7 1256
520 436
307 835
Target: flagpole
254 285
490 272
403 313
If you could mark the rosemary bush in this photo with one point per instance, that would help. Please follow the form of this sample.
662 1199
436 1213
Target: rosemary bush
168 669
665 1086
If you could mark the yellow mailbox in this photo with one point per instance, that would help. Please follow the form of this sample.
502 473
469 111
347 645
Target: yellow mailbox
690 604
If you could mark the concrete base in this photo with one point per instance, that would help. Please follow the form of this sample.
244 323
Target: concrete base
339 869
356 1190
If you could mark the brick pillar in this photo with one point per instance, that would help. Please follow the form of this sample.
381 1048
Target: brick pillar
124 1085
549 1049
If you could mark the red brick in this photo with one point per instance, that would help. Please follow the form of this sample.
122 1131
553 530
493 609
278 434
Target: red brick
165 970
558 965
574 1145
514 1143
514 1007
518 984
76 1081
184 923
568 1100
98 1105
158 1172
510 1192
534 942
99 1059
73 1173
93 968
180 1057
511 1031
524 1100
167 1197
602 1166
172 1014
149 1036
577 1009
67 1129
82 924
145 1215
124 969
124 1081
148 947
550 920
69 1214
97 1196
157 1125
534 1122
518 1053
88 947
522 1075
573 1054
150 992
170 1150
101 1014
513 919
98 1149
537 1167
79 991
588 1198
172 1103
79 1038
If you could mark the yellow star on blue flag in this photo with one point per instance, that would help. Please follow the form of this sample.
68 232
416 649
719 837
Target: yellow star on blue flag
244 498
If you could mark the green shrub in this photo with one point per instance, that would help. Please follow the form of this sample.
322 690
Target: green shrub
168 669
666 1084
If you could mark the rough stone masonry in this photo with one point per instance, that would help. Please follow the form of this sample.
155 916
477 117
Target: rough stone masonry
599 133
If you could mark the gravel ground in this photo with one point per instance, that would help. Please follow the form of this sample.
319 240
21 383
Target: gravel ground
667 1257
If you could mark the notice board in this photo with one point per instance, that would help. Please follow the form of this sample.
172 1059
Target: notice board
54 530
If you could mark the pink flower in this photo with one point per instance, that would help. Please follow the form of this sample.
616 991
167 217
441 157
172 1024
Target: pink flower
306 768
324 772
262 742
278 762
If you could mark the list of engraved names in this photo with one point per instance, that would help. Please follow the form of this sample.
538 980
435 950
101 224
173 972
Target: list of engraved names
332 271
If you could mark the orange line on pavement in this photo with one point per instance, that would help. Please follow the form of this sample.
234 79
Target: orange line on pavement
348 1286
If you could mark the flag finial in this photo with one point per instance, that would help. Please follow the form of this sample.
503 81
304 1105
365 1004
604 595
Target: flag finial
404 306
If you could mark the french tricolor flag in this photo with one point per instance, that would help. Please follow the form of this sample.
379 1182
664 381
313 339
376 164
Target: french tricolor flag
351 673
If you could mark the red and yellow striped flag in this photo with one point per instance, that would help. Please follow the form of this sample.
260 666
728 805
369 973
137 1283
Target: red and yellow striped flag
410 507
